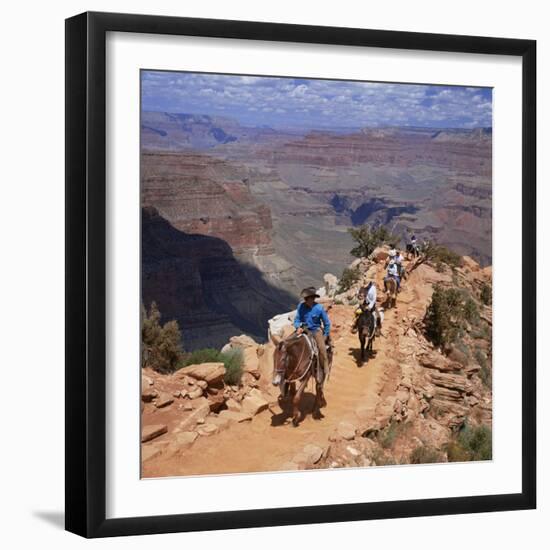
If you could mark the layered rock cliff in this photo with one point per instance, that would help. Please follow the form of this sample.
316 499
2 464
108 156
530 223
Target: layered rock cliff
197 280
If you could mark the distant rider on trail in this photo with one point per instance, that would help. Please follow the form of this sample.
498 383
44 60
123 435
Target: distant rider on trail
312 316
413 246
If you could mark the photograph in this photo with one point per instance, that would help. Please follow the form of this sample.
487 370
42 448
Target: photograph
316 273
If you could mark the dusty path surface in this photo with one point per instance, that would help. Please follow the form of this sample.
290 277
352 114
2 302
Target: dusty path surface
267 442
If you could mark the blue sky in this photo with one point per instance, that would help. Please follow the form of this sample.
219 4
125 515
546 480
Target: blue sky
309 103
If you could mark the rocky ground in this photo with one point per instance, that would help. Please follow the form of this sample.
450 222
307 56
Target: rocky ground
404 405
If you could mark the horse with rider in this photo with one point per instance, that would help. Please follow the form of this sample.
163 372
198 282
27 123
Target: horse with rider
305 354
395 272
368 319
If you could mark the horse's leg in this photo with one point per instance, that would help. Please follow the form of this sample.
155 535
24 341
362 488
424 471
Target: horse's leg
296 401
362 341
290 397
319 401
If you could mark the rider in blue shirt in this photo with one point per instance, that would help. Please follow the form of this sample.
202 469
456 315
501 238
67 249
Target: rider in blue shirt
313 316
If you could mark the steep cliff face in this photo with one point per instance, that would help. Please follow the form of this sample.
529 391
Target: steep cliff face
197 280
464 151
200 194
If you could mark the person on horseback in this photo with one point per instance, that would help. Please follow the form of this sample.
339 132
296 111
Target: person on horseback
312 316
393 271
399 262
414 246
369 302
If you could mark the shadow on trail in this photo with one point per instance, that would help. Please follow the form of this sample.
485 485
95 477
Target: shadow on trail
306 406
356 354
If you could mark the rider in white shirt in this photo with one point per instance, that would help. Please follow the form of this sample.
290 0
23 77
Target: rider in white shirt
393 271
369 301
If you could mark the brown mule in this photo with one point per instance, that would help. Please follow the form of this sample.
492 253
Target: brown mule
390 286
294 363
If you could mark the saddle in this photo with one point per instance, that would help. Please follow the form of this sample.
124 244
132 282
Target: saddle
320 376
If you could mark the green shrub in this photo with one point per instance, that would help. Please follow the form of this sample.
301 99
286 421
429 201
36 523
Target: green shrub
206 355
233 361
471 311
368 239
424 454
447 313
349 277
471 444
160 344
389 434
441 255
485 372
486 294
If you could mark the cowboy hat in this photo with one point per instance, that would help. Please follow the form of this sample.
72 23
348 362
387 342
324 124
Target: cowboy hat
309 291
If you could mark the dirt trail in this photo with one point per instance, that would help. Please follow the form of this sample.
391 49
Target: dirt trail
266 443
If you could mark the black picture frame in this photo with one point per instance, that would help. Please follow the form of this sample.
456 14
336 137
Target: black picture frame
86 274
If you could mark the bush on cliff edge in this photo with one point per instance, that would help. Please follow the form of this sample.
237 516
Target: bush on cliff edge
368 239
160 344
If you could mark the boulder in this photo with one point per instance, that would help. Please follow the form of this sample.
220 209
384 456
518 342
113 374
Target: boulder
331 284
242 341
233 405
313 453
251 361
146 381
201 409
254 402
219 421
148 394
207 429
346 430
437 361
163 400
152 431
197 392
184 440
212 373
152 450
234 416
226 348
451 381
